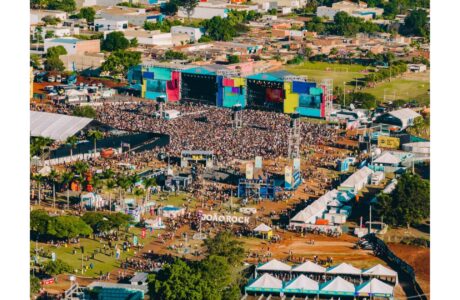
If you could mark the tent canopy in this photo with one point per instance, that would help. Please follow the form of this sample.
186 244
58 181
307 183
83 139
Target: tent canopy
262 228
55 126
266 281
274 265
375 286
379 270
309 267
337 285
302 283
345 269
387 158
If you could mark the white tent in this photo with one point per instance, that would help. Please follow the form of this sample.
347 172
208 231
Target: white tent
338 285
266 281
302 283
357 180
344 269
309 267
262 228
56 126
379 270
375 287
387 158
274 265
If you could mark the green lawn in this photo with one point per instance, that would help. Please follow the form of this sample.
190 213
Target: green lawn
318 71
402 89
102 263
415 86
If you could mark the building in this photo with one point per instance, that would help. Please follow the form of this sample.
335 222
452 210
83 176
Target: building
156 38
205 10
134 16
36 15
416 68
74 46
102 25
194 33
401 118
354 9
356 181
84 61
59 31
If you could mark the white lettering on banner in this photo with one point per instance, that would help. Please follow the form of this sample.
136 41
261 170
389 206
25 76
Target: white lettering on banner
226 219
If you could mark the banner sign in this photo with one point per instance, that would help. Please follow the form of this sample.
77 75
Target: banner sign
249 171
388 142
225 219
296 163
258 162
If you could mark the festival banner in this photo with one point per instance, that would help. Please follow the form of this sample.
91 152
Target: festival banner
249 171
258 162
388 142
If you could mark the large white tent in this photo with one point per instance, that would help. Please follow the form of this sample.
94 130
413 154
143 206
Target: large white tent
55 126
265 283
376 288
302 284
337 286
344 269
274 265
357 180
379 270
309 267
262 228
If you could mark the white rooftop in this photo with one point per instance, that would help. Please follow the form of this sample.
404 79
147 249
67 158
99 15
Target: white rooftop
404 114
302 283
387 158
379 270
267 281
262 228
338 284
55 126
375 286
274 265
309 267
344 268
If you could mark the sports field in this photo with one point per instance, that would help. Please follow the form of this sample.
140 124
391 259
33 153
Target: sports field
408 87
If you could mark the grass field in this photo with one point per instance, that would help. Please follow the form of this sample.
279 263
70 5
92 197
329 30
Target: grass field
411 86
402 88
102 263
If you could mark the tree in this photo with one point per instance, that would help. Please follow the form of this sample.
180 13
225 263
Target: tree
72 141
53 178
233 59
169 8
39 179
217 273
416 23
39 221
56 267
65 5
224 244
97 221
118 220
54 64
67 227
187 6
148 183
170 55
84 111
119 62
37 145
95 135
50 20
55 51
110 185
176 281
219 29
133 42
115 41
66 179
364 100
408 204
87 13
35 61
123 183
35 285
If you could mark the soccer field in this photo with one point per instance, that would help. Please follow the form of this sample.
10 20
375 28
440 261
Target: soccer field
408 87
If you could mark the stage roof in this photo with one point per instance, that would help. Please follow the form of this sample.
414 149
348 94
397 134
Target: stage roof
271 76
55 126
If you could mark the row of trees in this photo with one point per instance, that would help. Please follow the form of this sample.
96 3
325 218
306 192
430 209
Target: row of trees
395 69
64 5
215 277
343 24
67 227
408 204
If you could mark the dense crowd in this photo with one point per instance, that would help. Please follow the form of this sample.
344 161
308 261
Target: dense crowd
210 128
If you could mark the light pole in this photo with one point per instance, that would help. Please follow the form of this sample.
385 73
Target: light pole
344 94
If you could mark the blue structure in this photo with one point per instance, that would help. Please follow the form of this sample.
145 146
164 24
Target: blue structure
258 188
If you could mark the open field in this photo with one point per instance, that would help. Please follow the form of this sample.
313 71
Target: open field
409 86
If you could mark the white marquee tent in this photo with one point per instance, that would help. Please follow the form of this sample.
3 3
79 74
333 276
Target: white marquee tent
301 284
338 285
265 283
376 288
262 228
344 269
55 126
309 267
274 265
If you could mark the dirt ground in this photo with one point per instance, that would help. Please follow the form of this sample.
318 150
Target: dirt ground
419 259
